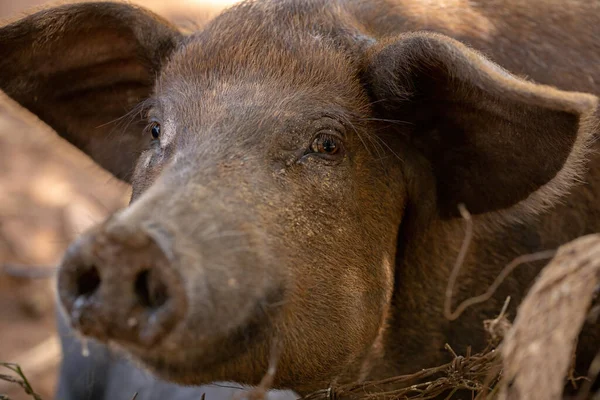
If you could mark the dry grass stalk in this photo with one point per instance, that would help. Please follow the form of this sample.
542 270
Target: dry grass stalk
20 380
537 350
260 392
475 373
508 269
36 361
478 373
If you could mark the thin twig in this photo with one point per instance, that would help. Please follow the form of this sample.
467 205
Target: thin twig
593 373
260 391
526 258
459 262
497 327
452 315
23 382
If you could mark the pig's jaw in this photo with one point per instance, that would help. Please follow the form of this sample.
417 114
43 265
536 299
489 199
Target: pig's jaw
190 358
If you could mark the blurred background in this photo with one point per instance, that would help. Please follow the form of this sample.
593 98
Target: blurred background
49 193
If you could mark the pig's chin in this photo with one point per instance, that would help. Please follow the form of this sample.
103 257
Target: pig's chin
191 359
211 360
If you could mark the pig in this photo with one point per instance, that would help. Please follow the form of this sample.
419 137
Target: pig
297 170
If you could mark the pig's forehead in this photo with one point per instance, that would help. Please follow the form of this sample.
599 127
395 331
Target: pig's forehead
209 60
250 43
260 54
204 74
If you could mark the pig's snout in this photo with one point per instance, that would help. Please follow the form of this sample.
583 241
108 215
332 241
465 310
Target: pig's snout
117 283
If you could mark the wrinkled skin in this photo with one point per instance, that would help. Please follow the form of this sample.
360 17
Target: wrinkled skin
259 237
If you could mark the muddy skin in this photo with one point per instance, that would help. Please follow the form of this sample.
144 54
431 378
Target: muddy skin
299 172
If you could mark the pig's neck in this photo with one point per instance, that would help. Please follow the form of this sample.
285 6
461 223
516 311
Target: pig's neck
417 330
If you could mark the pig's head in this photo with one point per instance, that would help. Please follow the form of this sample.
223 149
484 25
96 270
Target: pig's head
273 162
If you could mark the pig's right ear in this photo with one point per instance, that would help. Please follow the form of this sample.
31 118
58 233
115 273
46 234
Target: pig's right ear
82 67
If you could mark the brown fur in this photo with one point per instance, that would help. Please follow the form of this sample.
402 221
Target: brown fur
344 260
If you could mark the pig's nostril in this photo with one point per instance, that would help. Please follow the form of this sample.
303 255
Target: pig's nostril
88 282
150 290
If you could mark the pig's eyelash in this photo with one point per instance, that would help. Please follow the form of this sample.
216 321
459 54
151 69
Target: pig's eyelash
140 112
149 126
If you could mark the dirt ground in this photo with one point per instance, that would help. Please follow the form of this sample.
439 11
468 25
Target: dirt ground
49 192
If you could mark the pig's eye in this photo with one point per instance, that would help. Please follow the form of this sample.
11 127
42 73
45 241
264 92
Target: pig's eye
155 130
326 144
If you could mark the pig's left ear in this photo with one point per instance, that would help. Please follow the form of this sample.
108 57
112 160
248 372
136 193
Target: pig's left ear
492 140
82 67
